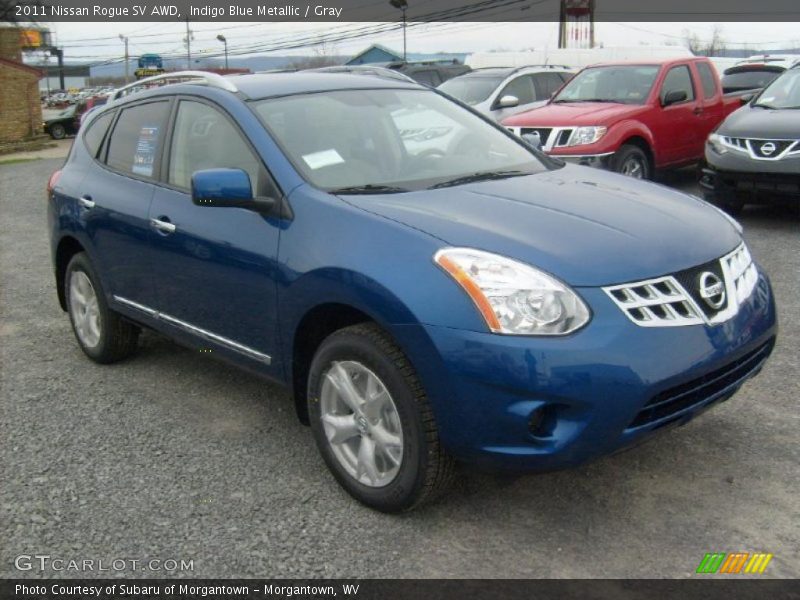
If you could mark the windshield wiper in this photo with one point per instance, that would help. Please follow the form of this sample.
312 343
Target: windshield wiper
369 188
767 106
480 176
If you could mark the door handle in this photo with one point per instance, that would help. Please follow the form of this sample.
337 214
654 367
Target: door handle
164 226
698 110
86 201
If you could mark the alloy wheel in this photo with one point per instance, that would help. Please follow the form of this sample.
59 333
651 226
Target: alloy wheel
84 308
633 167
361 423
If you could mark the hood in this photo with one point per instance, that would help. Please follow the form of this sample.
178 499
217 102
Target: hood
585 226
575 113
762 123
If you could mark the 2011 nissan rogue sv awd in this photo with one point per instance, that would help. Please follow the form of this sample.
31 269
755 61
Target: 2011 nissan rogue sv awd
431 288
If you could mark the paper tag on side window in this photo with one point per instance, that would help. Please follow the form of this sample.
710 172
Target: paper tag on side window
324 158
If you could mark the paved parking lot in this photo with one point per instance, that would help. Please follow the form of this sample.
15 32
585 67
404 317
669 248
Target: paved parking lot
172 455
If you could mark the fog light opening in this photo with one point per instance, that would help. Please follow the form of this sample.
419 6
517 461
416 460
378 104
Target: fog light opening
542 422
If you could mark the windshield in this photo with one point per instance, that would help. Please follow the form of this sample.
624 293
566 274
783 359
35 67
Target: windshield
751 79
784 92
373 141
626 84
471 90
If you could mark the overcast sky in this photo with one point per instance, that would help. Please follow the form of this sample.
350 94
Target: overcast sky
82 41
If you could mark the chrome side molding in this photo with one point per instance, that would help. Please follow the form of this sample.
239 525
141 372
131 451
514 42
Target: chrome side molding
198 331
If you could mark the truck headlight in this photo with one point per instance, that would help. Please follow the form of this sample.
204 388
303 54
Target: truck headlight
586 135
715 141
514 298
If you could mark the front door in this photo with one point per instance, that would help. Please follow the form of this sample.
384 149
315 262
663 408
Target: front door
677 132
215 268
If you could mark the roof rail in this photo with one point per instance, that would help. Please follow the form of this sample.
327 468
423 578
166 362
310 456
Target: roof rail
197 77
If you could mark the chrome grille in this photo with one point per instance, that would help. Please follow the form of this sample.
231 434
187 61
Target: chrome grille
666 301
656 303
763 149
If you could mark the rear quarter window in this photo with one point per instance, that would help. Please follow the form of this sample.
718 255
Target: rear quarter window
136 140
96 133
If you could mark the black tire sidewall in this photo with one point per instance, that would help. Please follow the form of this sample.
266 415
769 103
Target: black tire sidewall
403 490
80 262
624 153
58 132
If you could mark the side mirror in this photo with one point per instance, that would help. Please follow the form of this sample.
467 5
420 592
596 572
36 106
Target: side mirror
745 98
674 97
534 139
507 102
222 187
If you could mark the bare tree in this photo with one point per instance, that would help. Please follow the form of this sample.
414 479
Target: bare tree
323 56
712 47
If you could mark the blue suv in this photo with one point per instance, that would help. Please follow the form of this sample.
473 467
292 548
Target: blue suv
430 287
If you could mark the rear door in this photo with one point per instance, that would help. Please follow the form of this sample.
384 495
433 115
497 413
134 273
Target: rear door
710 104
214 268
116 196
677 125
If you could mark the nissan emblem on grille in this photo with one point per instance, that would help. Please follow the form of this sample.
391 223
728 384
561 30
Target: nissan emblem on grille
768 148
712 290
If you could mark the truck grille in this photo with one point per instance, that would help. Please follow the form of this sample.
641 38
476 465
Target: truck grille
708 387
709 293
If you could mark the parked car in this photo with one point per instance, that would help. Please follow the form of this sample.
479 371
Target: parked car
632 118
430 73
489 305
754 155
69 120
756 72
501 92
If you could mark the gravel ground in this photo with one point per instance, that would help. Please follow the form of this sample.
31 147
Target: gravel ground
171 455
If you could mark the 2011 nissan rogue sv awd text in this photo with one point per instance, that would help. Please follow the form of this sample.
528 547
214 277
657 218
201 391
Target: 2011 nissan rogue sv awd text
431 288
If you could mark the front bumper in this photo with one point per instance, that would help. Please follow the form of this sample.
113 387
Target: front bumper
736 174
531 404
587 160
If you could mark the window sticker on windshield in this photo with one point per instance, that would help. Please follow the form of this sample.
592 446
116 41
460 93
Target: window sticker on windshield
145 151
324 158
768 99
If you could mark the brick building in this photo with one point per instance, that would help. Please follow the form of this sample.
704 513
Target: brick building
20 106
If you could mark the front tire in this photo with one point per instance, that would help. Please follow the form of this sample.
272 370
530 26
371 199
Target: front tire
632 161
101 333
372 422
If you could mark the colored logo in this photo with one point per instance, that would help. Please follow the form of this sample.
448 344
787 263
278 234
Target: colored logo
736 562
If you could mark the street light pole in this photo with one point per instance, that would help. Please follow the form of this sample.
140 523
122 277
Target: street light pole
125 39
403 6
222 39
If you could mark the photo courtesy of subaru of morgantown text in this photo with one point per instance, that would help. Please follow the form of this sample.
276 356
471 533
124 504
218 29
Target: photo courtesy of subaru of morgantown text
463 297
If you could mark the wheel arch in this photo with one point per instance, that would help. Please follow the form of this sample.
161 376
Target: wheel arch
68 246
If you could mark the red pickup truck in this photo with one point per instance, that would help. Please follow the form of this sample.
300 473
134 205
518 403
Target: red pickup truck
632 118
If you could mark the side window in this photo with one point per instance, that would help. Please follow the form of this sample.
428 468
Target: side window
204 138
708 78
546 84
136 138
678 79
94 136
521 87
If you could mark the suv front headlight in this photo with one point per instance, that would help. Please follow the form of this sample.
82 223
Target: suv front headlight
715 141
514 298
586 135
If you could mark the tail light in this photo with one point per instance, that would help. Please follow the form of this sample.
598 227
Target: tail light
51 183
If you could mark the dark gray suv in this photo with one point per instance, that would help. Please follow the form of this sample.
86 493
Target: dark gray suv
754 155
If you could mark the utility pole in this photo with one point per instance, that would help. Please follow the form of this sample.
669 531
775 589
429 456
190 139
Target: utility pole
222 39
188 40
403 6
59 54
127 73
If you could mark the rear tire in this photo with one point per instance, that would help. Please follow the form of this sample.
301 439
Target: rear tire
58 132
102 334
632 161
408 464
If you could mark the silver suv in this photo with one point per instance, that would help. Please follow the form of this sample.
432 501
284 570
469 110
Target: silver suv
499 92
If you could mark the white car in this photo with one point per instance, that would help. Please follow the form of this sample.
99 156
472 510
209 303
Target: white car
499 92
